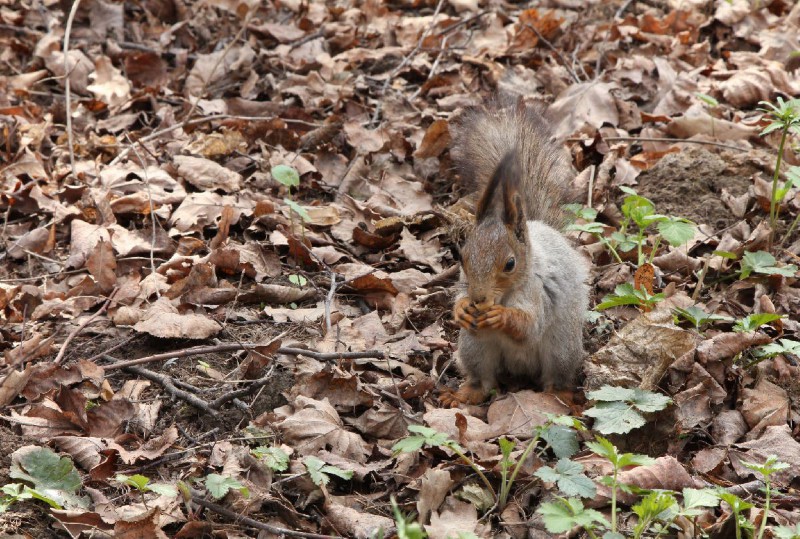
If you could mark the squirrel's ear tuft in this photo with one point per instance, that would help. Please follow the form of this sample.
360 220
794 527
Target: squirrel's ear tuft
504 182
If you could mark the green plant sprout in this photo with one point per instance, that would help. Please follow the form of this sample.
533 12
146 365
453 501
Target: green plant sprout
752 322
763 263
738 506
626 294
607 450
698 317
566 513
710 103
783 346
274 458
320 472
289 177
785 116
219 486
771 466
142 484
406 526
426 436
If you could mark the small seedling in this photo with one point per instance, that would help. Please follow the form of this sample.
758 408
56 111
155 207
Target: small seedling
785 116
298 280
738 506
406 525
763 263
320 473
771 466
143 485
607 450
289 177
698 317
274 458
656 510
566 513
219 486
783 346
626 294
752 322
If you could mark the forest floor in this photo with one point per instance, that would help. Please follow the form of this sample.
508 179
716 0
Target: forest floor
230 276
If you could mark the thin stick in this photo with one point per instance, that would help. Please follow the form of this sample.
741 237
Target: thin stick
405 62
230 347
187 123
168 384
671 140
67 94
556 51
247 521
60 357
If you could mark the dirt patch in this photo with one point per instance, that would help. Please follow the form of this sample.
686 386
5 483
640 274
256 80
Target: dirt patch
689 184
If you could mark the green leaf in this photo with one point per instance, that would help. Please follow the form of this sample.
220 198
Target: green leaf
611 393
563 440
297 280
677 231
562 515
707 99
764 263
698 317
406 527
787 532
695 499
54 478
411 444
139 482
569 477
314 467
649 401
769 467
754 321
784 346
274 458
163 489
285 175
298 209
615 417
219 485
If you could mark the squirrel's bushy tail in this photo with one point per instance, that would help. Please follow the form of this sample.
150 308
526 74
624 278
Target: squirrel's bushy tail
486 134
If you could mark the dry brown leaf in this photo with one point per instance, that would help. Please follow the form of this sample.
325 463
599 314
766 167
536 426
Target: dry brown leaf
164 320
312 425
356 523
206 174
518 414
435 484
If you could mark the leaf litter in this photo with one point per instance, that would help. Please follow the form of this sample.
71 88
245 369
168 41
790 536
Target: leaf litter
322 305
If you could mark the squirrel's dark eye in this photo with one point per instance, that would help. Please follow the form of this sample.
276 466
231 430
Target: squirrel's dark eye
510 263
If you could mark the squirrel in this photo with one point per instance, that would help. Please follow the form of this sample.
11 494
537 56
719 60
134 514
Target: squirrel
523 292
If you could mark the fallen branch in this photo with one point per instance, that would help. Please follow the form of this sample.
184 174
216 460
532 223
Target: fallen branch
247 521
231 347
60 357
167 383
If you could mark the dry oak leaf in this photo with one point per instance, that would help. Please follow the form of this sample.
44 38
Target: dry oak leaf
641 351
149 450
311 425
435 484
776 440
726 345
206 174
518 414
586 103
109 85
455 517
356 523
664 473
164 320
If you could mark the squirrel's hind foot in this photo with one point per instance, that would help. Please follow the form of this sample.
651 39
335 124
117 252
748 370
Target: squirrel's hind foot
466 394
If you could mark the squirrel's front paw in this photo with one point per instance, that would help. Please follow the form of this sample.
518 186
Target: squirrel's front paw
465 314
466 394
495 317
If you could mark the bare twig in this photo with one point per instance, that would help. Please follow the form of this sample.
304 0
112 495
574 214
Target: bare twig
67 94
168 384
197 121
60 357
251 388
404 63
247 521
665 139
230 347
556 52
